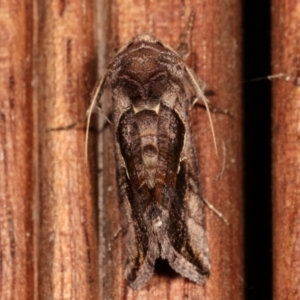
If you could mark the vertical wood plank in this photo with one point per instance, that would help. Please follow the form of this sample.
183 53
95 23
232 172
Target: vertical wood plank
16 158
67 65
216 58
286 149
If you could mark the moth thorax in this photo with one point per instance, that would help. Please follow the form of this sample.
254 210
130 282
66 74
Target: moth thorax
156 224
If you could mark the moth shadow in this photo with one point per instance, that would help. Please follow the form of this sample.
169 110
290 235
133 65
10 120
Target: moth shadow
162 268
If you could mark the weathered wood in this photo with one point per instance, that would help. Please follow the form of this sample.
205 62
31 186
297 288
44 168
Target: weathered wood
216 58
16 156
286 149
66 73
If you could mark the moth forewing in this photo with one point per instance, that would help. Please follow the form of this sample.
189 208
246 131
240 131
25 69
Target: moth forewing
157 169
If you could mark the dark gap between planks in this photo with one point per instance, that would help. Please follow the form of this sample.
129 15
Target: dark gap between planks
257 149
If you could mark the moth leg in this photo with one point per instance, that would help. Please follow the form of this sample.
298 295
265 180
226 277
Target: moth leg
183 48
201 99
116 235
69 126
80 122
212 109
201 95
216 211
107 118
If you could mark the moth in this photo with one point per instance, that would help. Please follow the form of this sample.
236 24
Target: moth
157 168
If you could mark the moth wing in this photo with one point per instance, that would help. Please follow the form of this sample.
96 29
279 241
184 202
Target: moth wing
140 244
188 252
185 244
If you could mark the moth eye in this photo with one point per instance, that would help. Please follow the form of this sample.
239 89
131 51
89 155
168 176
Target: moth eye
130 88
158 84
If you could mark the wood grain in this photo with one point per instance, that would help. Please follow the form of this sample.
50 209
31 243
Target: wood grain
286 149
216 58
66 73
16 156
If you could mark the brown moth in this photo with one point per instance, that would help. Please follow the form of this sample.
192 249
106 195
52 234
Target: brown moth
157 168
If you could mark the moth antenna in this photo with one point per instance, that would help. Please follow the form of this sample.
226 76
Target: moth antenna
183 48
96 94
199 93
189 26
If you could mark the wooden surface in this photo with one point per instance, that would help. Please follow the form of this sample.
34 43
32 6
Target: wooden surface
16 156
216 58
66 73
286 149
47 86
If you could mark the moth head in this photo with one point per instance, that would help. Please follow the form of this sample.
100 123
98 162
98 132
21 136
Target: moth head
143 70
144 92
